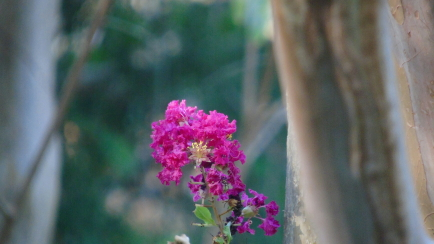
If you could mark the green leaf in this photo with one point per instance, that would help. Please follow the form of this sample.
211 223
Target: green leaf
204 214
219 240
227 232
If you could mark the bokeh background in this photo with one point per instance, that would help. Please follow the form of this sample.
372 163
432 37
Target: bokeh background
215 54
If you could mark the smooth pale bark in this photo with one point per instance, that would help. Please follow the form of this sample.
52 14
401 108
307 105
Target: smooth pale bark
412 23
297 228
27 105
335 62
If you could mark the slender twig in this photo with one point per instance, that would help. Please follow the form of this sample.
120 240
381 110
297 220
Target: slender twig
216 213
196 183
67 95
227 211
5 208
202 205
269 117
202 225
250 80
266 83
266 130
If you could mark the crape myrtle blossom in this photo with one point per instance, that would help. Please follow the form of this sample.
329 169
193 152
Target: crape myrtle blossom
251 209
197 189
245 227
269 225
188 135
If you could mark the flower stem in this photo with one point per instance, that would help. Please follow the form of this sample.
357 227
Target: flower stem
230 209
202 225
216 213
203 205
196 183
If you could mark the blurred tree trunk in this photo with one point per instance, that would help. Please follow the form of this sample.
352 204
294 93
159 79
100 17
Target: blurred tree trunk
349 180
27 105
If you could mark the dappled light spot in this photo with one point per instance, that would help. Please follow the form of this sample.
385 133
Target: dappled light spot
71 132
115 201
146 214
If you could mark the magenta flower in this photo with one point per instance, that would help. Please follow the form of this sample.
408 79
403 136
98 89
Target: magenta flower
235 154
187 135
214 127
269 225
172 163
217 181
221 156
245 227
272 208
198 188
228 152
235 180
251 210
179 113
167 175
258 200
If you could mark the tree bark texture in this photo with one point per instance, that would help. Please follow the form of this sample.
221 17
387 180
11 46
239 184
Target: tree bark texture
336 64
412 25
27 105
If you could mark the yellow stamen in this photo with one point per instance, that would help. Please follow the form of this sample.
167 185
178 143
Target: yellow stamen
199 152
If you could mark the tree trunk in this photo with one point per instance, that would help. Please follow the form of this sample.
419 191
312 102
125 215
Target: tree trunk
412 23
27 105
336 64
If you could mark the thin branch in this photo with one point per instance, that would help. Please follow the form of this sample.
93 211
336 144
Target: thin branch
266 131
267 80
267 118
250 80
5 208
72 81
227 211
216 214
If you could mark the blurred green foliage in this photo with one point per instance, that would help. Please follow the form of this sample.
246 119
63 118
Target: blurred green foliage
149 53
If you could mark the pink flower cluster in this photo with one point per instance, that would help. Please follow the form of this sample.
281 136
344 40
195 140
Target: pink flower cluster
189 136
186 135
251 209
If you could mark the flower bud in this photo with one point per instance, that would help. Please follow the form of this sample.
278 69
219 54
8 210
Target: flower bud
249 211
232 202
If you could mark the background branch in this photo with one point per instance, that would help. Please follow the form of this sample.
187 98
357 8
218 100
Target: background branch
72 81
